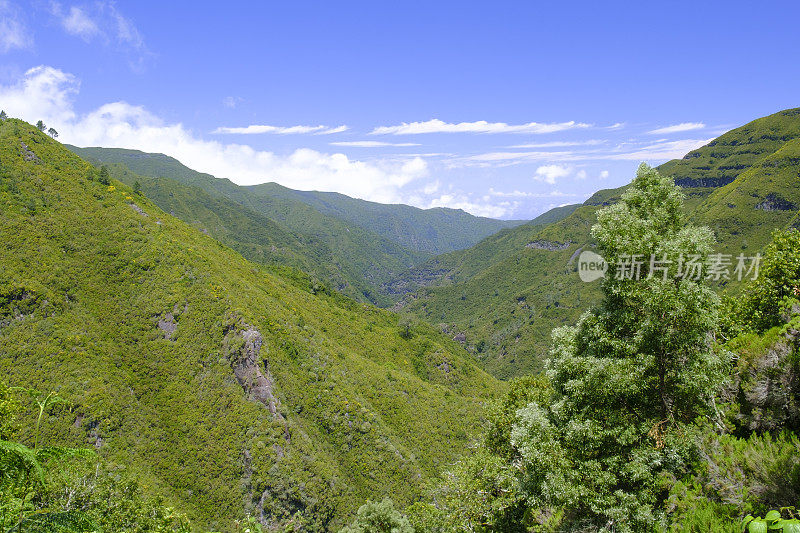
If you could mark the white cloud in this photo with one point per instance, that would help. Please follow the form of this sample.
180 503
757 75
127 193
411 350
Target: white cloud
677 128
13 32
660 151
431 187
126 32
581 175
47 93
550 173
257 129
509 158
78 23
370 144
462 201
481 126
525 194
231 101
560 144
104 22
604 174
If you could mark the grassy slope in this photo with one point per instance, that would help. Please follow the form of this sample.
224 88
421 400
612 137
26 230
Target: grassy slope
85 279
480 291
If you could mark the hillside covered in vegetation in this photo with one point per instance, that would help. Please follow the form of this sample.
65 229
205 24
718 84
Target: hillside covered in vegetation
503 296
223 386
354 245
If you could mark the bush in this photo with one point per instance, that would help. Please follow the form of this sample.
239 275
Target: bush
380 517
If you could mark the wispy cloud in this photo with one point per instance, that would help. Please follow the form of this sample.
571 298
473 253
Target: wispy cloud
527 194
370 144
661 150
480 126
258 129
456 200
231 101
77 22
509 158
560 144
102 21
678 128
13 32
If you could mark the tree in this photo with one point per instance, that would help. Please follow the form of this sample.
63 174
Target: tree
104 177
137 187
631 376
52 132
40 125
380 517
3 115
406 323
778 281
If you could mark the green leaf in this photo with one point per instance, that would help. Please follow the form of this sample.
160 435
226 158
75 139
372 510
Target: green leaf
62 522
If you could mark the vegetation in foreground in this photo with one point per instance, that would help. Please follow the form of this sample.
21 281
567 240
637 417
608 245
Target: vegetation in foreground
663 409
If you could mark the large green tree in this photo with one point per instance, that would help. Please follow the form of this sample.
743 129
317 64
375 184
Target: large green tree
631 375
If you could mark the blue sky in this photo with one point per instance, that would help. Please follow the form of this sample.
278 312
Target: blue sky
503 109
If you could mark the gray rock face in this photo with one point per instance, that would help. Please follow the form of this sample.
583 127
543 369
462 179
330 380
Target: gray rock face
552 246
167 325
774 202
27 153
243 347
688 183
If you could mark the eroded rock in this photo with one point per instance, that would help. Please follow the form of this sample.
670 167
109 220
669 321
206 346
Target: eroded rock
242 346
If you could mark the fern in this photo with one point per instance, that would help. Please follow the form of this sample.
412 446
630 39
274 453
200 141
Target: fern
61 522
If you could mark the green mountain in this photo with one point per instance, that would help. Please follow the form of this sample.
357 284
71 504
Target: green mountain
436 231
352 244
502 297
226 387
353 260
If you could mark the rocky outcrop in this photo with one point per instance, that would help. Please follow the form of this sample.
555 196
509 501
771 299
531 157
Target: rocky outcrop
767 386
167 325
552 246
775 202
718 181
242 346
138 209
27 153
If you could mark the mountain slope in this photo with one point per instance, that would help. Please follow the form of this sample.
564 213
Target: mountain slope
374 241
504 295
254 235
225 387
357 261
438 230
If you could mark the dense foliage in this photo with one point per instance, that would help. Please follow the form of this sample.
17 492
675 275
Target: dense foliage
46 489
644 420
224 387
